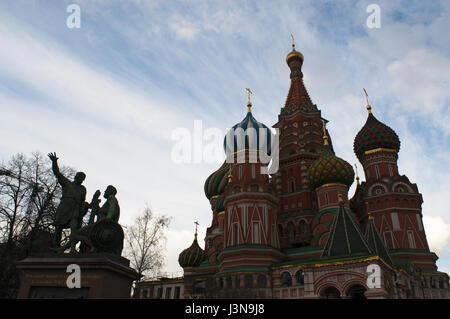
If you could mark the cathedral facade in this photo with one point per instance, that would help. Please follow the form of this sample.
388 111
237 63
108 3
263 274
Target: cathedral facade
297 233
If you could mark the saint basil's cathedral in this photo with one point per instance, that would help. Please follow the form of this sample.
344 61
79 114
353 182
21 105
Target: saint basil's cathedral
297 233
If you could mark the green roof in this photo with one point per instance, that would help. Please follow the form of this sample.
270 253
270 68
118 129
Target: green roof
345 238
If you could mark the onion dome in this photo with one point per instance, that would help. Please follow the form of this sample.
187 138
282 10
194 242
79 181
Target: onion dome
330 169
192 256
216 182
294 56
249 134
375 135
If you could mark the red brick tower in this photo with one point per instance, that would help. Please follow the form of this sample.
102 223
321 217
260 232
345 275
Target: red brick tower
394 202
251 240
300 128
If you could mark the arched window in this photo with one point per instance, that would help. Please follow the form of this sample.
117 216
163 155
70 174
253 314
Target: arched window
280 230
286 279
248 281
291 232
302 227
292 185
356 292
300 277
262 281
330 293
229 282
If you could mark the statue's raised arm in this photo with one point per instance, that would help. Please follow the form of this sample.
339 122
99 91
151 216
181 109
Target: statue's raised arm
55 168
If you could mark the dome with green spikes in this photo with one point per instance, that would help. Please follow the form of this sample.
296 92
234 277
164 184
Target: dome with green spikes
330 169
216 182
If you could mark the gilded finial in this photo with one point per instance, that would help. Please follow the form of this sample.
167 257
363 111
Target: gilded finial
368 213
368 107
293 42
195 235
357 177
249 103
325 136
340 199
229 175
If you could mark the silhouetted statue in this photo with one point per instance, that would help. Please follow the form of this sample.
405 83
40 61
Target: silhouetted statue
103 234
72 207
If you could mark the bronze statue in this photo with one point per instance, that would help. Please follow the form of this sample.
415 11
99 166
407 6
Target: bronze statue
102 232
72 207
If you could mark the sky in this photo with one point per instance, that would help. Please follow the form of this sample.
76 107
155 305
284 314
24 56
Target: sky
110 96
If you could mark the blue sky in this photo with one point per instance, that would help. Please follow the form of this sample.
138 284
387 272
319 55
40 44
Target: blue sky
114 90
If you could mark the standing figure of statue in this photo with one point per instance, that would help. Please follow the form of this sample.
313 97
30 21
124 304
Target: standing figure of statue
72 207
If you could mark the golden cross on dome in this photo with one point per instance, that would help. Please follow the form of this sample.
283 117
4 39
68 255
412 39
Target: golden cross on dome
357 177
249 103
368 107
293 42
325 136
196 224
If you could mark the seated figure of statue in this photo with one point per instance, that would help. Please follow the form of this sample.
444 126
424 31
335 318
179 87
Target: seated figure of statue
103 232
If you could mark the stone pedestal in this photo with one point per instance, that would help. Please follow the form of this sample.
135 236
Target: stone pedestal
103 276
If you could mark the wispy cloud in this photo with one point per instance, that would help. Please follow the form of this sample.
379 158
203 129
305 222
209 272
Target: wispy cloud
108 96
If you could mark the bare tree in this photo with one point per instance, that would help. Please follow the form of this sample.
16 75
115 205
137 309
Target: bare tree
146 240
28 200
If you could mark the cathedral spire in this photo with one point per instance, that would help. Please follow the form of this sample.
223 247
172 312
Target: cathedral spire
298 97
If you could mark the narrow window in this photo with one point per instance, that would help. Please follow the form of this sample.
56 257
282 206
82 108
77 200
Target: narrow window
302 227
388 240
391 172
412 243
240 172
291 186
326 198
253 171
256 237
395 222
274 238
168 293
235 234
419 222
377 171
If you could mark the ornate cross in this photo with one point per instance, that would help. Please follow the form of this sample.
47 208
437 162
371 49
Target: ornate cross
249 92
196 224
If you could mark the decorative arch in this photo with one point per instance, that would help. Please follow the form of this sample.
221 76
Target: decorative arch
397 184
371 189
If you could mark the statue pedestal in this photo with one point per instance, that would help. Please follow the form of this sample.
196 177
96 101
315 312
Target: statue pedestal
103 276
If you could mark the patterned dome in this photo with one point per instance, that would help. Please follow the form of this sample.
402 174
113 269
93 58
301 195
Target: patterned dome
330 169
192 256
216 182
249 128
373 135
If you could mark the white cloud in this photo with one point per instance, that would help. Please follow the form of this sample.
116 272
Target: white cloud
438 233
117 126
